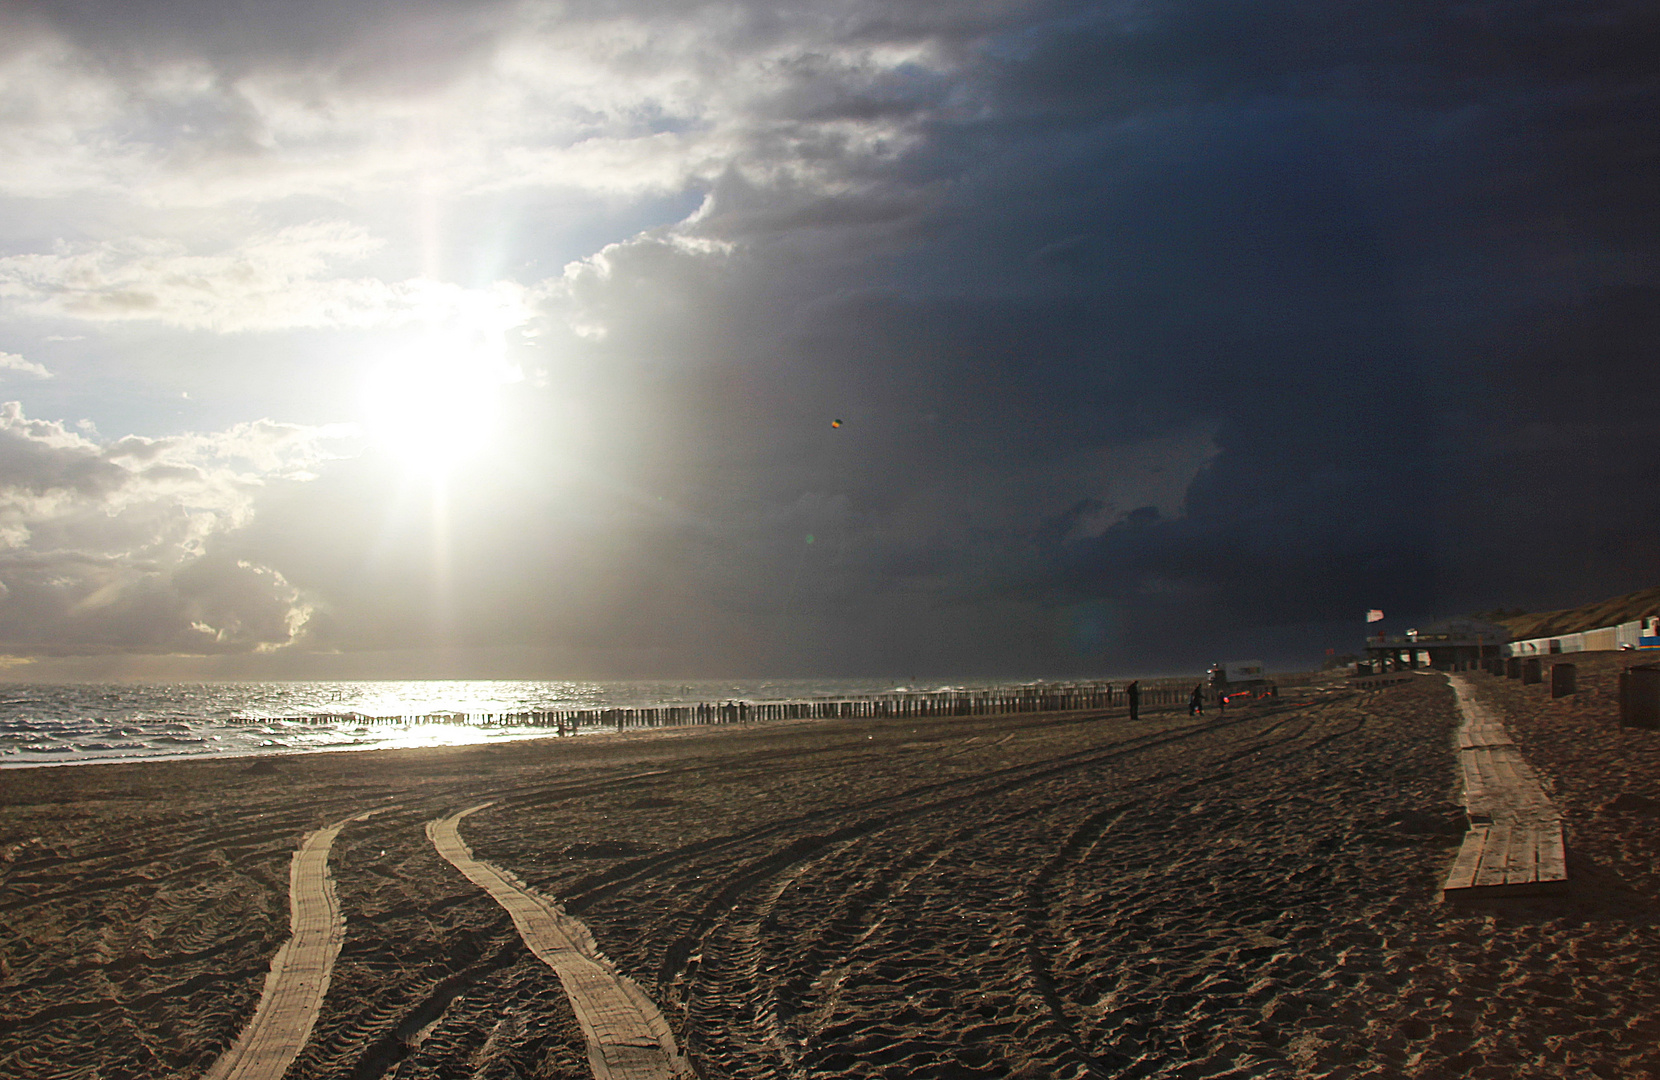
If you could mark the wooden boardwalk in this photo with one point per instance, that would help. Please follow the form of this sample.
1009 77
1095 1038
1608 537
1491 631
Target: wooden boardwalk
1514 846
628 1039
300 969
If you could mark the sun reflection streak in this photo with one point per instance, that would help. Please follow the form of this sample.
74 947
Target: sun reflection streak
442 583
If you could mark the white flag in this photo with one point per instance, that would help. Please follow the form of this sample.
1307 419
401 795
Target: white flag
1374 615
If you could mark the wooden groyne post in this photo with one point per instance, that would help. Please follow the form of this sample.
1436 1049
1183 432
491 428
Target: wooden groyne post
907 704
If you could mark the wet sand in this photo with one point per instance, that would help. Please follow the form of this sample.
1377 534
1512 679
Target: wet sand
1012 896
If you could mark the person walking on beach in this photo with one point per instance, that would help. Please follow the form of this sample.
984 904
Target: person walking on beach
1196 701
1132 694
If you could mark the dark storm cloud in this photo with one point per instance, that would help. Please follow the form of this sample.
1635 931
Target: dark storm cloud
1561 484
1325 187
1312 230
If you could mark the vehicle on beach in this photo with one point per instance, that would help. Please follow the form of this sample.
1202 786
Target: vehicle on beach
1241 680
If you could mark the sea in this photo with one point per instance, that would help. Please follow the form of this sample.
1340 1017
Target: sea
78 723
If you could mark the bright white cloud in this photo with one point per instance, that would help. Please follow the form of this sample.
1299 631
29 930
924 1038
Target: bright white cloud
639 283
272 281
622 104
111 545
14 362
58 126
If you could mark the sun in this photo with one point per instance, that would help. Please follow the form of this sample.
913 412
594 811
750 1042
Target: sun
436 404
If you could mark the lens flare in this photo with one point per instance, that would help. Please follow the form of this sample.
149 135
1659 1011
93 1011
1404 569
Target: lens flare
436 404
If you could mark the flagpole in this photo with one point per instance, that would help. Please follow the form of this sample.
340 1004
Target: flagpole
1376 615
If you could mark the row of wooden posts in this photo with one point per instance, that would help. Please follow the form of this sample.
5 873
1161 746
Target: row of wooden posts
1564 677
1639 685
1020 699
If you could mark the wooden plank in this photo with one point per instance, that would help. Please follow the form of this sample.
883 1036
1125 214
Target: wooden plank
1522 856
300 970
1484 733
628 1037
1515 842
1495 863
1480 784
1553 861
1463 875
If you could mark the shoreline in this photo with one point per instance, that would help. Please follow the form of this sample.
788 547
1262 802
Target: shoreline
280 752
30 740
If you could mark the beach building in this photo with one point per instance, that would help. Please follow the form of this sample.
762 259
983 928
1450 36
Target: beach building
1448 645
1459 644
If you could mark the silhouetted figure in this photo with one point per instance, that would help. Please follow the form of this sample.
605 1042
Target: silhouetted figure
1196 701
1132 694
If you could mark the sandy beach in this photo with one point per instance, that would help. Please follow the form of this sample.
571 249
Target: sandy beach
1060 895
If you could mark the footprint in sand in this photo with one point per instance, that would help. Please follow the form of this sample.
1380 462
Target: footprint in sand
628 1039
299 971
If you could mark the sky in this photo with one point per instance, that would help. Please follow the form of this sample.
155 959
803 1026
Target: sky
429 338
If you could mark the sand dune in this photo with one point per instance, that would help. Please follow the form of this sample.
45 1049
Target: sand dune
1057 895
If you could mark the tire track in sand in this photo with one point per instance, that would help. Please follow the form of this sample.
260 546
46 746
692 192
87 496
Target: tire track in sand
628 1039
737 1010
300 969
